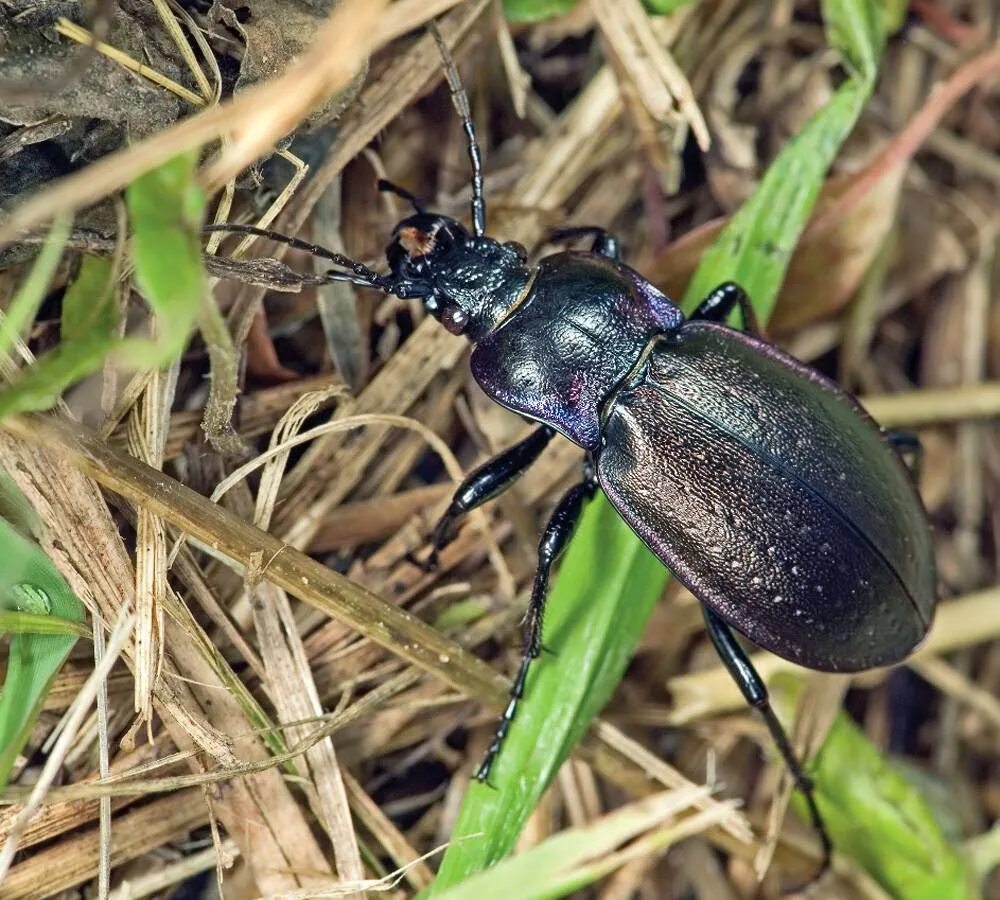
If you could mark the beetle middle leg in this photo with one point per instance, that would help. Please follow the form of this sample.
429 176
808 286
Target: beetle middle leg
556 536
481 485
722 301
755 692
605 243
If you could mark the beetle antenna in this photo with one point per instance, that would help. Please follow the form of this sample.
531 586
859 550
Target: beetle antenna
461 101
359 273
386 185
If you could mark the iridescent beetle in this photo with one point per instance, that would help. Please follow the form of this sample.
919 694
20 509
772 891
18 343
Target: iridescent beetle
766 489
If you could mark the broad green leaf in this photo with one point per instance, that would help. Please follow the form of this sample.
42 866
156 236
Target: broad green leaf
609 582
876 815
166 207
23 308
90 315
30 584
597 610
756 245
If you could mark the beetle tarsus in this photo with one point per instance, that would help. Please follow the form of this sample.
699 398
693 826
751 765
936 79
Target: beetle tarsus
429 565
754 691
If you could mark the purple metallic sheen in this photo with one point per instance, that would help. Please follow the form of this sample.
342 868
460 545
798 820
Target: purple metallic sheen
571 342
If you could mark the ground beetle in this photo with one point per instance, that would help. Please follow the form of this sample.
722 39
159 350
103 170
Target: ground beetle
766 489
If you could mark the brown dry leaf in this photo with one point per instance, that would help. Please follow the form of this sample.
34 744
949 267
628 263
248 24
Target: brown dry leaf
262 358
852 216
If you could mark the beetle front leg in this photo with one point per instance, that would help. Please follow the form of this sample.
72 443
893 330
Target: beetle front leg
717 306
755 692
490 480
556 536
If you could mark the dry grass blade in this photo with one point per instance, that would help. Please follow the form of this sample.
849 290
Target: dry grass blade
302 577
656 77
915 409
290 680
147 432
196 704
306 579
84 37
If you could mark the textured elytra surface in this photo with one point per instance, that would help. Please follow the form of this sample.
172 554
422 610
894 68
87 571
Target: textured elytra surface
567 347
774 498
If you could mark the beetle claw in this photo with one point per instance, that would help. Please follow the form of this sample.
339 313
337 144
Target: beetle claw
427 566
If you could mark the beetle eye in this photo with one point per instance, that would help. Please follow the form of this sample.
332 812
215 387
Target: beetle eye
455 319
519 249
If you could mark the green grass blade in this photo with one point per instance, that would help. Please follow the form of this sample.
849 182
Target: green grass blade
90 316
15 508
877 816
589 635
535 10
577 857
166 207
24 306
13 622
30 584
608 582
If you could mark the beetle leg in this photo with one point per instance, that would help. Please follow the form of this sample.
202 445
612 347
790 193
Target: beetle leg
605 243
908 446
388 186
483 484
557 533
722 301
755 692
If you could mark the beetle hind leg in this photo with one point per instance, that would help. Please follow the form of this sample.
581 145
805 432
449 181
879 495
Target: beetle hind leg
556 536
755 692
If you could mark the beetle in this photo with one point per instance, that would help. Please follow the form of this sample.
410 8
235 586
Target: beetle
766 489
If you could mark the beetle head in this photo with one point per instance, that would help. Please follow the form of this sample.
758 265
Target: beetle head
466 282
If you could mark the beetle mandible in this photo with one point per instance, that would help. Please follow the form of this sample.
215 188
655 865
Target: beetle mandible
766 489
